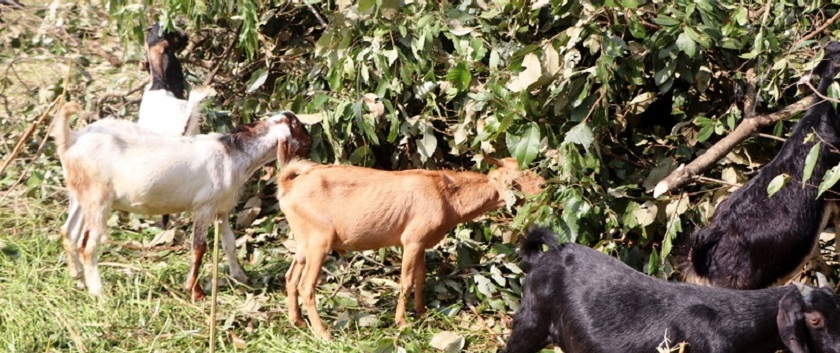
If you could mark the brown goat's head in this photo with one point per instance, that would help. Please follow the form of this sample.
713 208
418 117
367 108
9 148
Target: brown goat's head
508 179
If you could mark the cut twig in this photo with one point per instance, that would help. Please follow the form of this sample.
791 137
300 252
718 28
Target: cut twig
214 286
486 326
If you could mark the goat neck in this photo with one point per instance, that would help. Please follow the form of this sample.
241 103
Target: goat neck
255 144
469 194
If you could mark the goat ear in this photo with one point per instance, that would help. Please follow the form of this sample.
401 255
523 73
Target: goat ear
790 322
492 160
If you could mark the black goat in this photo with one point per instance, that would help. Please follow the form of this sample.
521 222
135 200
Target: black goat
755 240
584 301
161 47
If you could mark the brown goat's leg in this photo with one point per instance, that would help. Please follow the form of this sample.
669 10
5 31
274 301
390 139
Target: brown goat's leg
229 245
420 284
199 247
292 283
411 254
314 259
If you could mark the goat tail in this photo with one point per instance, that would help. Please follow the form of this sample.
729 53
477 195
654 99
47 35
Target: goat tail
530 246
702 243
61 126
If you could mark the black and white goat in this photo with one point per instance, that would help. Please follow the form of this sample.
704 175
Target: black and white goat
163 108
755 240
117 164
584 301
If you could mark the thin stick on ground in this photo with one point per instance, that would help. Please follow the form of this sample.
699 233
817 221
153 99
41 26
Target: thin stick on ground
486 326
213 287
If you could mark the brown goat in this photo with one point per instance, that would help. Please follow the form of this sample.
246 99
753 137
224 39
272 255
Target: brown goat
347 208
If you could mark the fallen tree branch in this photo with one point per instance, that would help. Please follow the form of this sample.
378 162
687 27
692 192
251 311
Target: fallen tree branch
746 128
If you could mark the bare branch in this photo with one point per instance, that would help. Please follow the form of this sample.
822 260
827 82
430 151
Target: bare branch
746 128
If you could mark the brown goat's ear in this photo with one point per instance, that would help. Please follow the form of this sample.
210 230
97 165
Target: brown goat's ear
492 160
790 322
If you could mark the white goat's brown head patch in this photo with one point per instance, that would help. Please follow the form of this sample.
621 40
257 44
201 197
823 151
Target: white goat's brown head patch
297 144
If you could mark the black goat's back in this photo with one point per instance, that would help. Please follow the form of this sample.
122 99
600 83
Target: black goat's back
585 301
755 240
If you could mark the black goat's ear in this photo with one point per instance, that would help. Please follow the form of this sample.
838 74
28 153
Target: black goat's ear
791 323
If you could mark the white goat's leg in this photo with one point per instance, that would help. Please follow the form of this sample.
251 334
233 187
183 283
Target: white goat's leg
94 233
315 254
411 254
229 245
292 283
199 247
70 232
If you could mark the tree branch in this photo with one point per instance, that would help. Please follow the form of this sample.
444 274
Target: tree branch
225 54
819 30
747 127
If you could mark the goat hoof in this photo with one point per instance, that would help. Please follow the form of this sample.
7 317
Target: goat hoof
324 335
299 322
198 294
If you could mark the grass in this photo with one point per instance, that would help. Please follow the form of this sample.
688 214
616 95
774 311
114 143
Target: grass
146 310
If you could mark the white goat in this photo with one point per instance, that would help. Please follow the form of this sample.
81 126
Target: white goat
115 163
163 108
347 208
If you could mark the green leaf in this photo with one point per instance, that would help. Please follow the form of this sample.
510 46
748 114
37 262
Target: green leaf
698 37
834 93
257 80
810 162
427 145
829 179
686 45
581 134
776 184
525 144
365 5
460 76
666 21
705 132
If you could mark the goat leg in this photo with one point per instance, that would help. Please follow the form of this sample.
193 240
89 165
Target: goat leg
315 254
292 283
229 245
70 232
411 254
199 247
420 284
93 233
